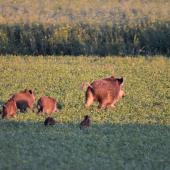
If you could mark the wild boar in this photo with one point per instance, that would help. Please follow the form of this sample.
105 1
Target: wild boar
9 109
47 105
49 121
22 105
86 122
106 91
26 95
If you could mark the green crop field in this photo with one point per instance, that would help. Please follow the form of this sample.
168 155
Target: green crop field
136 135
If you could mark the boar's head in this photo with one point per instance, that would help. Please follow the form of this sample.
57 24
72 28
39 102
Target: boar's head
121 92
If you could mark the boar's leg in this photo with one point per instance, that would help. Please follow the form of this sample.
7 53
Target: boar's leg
89 101
100 106
3 115
39 108
31 107
21 109
101 103
109 105
13 115
25 110
45 111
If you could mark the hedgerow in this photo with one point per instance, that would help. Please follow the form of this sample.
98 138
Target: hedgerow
98 27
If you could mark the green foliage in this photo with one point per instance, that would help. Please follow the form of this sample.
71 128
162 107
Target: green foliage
134 136
85 28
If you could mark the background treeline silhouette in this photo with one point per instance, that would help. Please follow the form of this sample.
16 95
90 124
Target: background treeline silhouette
101 28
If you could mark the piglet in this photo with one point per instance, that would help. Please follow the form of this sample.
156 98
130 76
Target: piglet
47 105
49 121
26 95
9 109
86 122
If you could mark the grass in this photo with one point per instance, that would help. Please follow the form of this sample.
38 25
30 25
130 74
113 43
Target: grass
134 136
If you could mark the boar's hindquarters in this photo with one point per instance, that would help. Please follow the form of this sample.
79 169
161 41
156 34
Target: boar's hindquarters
89 96
89 93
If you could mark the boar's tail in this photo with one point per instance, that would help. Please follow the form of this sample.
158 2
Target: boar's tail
84 85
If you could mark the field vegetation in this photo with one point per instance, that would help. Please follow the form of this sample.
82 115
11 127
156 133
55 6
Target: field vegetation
71 27
136 135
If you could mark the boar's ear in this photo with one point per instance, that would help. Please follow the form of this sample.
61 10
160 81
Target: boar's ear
31 91
12 100
111 76
121 81
11 96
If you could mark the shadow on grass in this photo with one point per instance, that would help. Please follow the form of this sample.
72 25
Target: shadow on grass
104 129
102 146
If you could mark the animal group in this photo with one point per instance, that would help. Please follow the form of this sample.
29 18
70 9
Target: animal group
105 91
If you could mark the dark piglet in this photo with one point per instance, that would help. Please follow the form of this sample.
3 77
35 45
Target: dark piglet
49 121
47 105
26 95
9 109
106 91
22 105
86 122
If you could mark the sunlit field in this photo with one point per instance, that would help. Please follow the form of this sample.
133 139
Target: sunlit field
135 135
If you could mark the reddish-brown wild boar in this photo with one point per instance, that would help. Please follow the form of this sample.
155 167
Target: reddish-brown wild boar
27 95
9 109
47 105
106 91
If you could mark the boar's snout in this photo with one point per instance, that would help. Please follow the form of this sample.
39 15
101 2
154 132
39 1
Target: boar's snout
123 94
34 98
